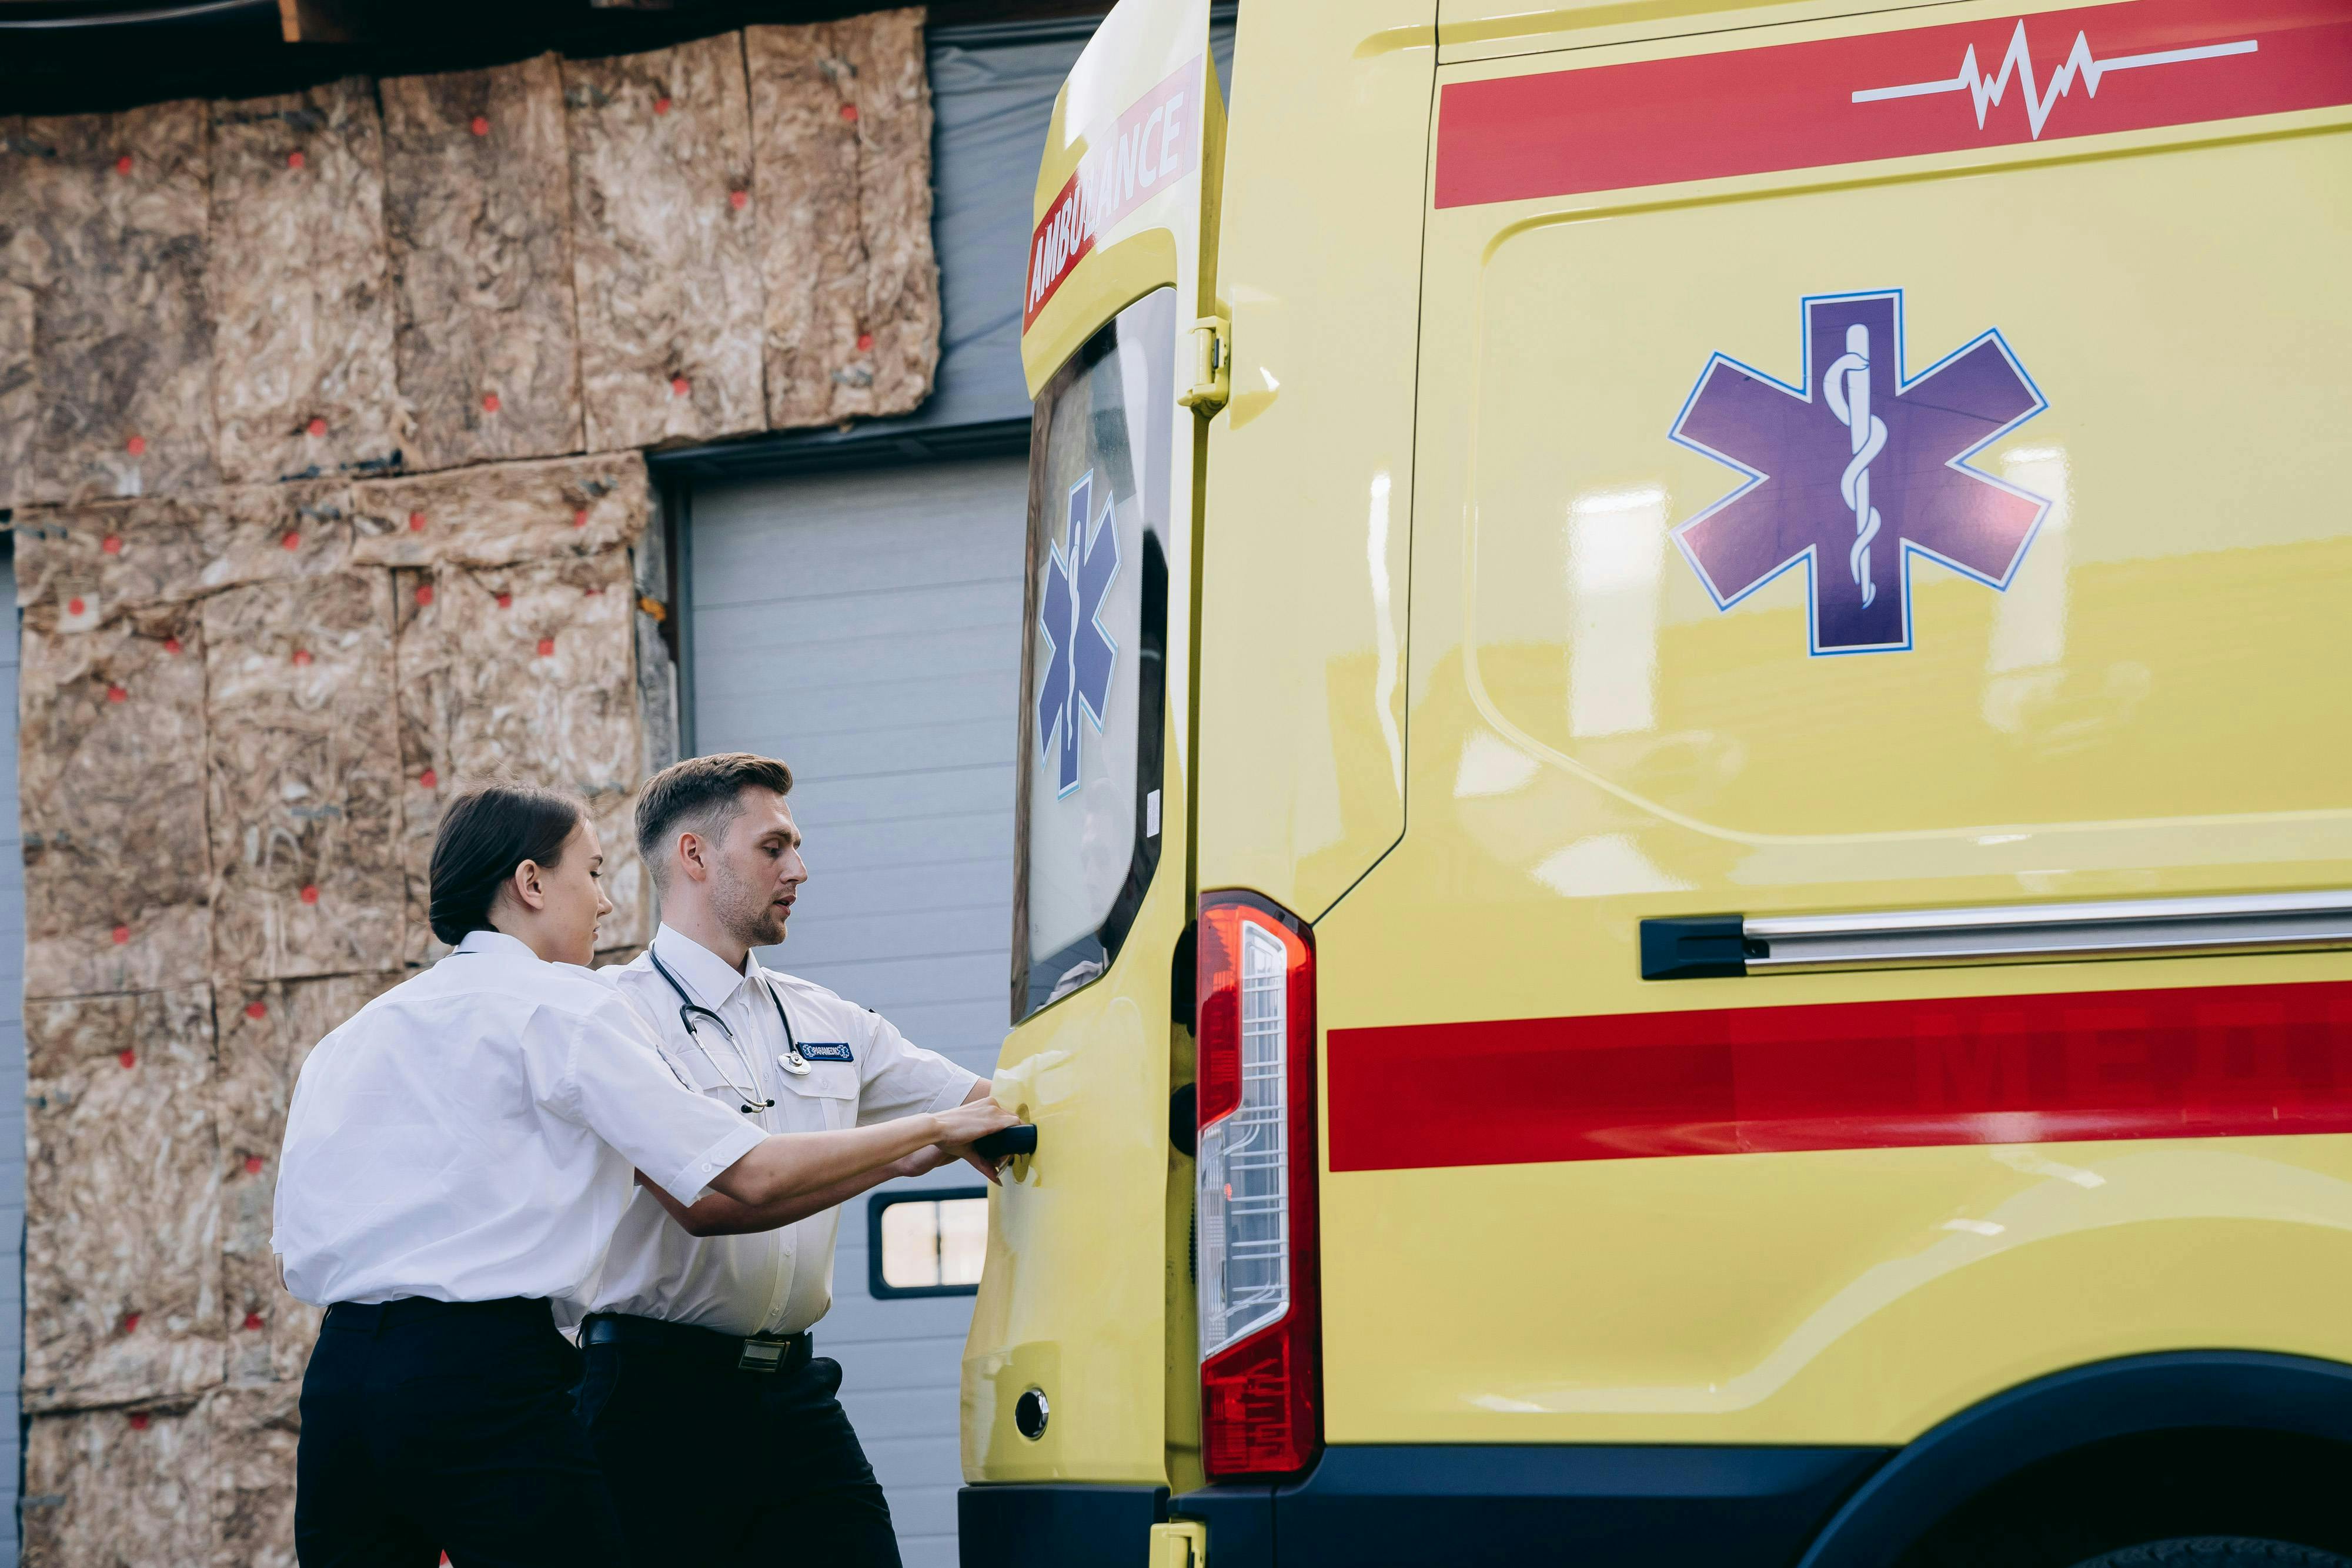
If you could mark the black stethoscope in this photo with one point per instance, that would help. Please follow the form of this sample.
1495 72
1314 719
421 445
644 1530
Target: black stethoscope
688 1011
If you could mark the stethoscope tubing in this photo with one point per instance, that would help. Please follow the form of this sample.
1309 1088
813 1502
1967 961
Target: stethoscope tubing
791 1060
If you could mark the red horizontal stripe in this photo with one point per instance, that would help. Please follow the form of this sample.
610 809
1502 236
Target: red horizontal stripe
1790 105
2215 1061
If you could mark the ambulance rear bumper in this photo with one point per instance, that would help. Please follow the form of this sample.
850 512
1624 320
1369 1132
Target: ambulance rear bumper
1466 1506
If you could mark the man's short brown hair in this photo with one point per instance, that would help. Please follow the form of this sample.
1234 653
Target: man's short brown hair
702 795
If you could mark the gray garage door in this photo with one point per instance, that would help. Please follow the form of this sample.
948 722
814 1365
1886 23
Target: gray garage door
866 626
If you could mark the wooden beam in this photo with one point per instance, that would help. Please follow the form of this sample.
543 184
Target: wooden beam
324 21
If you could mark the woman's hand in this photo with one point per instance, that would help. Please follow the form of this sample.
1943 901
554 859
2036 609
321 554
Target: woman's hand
961 1125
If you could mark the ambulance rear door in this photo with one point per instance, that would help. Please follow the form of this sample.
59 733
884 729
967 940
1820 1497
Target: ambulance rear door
1067 1371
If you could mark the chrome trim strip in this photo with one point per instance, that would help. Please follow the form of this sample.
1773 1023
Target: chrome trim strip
2050 933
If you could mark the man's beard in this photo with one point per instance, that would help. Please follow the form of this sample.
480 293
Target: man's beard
750 918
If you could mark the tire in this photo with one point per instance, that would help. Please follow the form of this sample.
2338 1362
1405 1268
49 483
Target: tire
2217 1552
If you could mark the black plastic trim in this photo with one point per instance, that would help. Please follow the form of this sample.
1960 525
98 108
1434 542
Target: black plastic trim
1988 1443
1057 1525
1491 1506
1693 947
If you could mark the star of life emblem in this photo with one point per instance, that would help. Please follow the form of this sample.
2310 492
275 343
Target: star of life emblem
1069 613
1857 469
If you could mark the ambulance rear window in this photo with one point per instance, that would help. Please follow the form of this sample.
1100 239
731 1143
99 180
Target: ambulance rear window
1095 682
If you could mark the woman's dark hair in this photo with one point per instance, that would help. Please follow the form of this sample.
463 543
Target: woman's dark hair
486 833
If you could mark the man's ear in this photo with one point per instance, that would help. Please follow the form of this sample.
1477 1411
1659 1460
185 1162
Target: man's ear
692 850
529 886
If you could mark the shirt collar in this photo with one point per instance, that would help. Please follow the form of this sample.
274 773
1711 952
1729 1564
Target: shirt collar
498 944
700 971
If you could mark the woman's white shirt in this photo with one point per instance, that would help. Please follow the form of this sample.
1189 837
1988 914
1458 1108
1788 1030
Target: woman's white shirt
474 1134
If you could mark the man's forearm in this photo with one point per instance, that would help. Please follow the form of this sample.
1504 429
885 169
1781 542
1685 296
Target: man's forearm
789 1165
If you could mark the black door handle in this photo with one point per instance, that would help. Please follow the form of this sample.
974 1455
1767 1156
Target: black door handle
1021 1139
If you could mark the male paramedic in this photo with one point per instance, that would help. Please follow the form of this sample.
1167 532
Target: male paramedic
720 1434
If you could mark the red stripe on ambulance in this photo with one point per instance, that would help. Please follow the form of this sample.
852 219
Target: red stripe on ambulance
2086 71
2206 1063
1156 141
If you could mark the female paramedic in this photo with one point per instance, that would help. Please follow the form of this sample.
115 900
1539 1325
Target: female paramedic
459 1152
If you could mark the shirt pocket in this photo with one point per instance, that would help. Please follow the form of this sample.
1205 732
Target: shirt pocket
826 1096
708 1075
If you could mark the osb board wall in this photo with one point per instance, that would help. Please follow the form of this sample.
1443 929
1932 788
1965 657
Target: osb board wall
319 431
367 278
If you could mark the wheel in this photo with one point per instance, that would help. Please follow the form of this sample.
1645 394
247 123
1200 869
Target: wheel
2217 1552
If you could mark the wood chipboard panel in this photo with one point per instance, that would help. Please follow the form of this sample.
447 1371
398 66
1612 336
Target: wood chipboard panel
121 1488
665 245
167 549
303 769
302 360
122 1205
123 343
20 400
478 209
254 1433
110 735
267 1030
527 673
504 514
841 119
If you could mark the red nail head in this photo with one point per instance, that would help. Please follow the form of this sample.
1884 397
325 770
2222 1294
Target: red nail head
256 1010
415 522
136 446
489 402
661 105
318 427
481 126
291 540
849 112
429 779
138 1422
73 606
679 386
122 165
865 342
310 893
424 593
301 656
112 545
117 695
253 1319
252 1164
128 1058
122 934
129 1323
506 601
580 518
171 644
294 160
739 200
546 646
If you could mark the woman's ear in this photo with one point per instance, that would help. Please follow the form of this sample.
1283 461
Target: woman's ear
528 885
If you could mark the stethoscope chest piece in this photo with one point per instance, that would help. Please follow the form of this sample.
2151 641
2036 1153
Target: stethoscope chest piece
793 1062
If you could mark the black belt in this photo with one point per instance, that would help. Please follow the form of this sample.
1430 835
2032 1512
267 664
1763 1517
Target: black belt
370 1315
737 1352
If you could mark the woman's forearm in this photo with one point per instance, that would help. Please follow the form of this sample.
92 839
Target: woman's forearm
788 1166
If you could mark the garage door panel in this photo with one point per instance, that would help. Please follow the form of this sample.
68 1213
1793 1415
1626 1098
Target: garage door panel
910 652
834 939
831 894
907 797
887 984
936 696
878 844
882 752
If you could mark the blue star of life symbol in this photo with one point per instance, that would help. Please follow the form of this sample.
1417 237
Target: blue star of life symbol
1859 469
1079 674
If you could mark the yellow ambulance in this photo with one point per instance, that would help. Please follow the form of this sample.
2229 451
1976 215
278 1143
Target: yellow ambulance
1685 829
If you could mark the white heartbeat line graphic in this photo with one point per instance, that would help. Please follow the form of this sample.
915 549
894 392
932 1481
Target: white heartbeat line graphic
2018 62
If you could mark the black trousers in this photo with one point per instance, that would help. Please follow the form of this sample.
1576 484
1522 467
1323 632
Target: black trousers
713 1466
433 1427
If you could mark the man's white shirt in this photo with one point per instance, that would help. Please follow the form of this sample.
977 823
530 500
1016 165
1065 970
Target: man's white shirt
775 1282
473 1134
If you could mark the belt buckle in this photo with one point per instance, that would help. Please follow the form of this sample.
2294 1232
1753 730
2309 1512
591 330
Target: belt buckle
761 1355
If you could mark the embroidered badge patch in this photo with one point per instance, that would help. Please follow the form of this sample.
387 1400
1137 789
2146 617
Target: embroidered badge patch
1857 469
827 1051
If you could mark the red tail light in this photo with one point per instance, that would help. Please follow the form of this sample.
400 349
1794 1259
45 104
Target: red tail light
1261 1327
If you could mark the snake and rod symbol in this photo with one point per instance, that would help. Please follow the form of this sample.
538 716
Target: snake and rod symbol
1846 389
